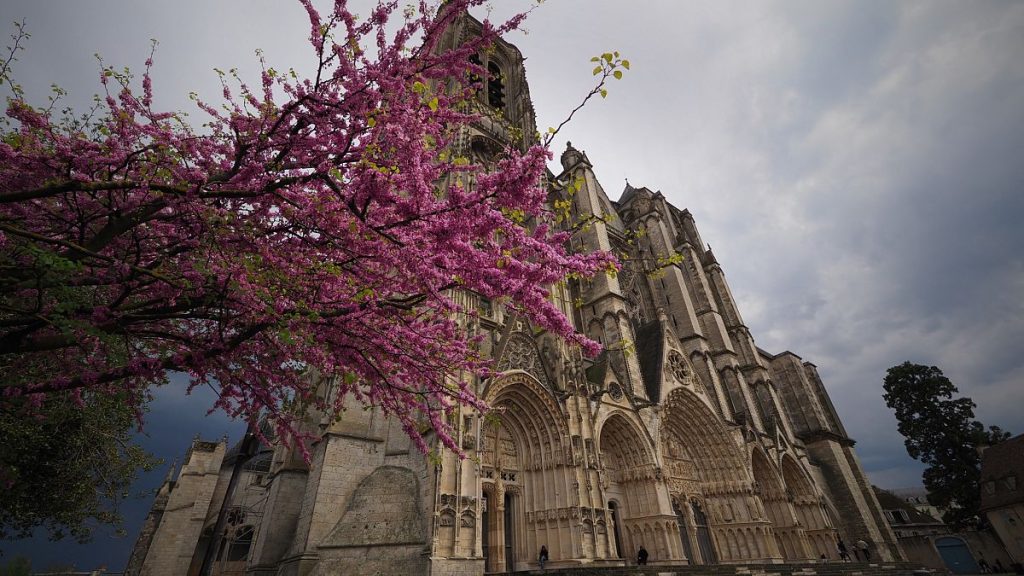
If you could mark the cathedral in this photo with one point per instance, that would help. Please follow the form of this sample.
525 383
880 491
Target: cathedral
682 437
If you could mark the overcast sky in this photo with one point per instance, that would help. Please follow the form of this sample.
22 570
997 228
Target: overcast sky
857 167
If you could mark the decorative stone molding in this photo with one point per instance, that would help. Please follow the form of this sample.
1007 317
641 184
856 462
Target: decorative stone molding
521 353
447 519
680 369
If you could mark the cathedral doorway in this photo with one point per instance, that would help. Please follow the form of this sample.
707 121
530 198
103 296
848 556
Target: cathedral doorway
684 531
704 463
617 532
498 534
818 535
704 542
768 486
526 475
632 483
500 524
485 530
510 557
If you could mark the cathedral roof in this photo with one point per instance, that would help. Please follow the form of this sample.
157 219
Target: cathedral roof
268 432
596 371
650 352
1002 468
709 257
890 501
630 191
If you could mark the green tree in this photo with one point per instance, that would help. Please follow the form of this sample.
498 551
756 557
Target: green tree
66 465
941 431
17 566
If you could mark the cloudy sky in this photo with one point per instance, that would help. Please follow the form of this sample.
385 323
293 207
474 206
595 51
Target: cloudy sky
857 167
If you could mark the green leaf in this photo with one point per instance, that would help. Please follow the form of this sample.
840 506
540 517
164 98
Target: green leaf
433 104
617 74
419 87
595 59
597 70
604 93
625 64
607 56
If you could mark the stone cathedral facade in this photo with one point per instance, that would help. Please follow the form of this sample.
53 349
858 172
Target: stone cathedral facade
683 436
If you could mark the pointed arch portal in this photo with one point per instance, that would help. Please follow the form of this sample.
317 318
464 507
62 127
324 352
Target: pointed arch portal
631 480
789 536
706 467
819 534
526 465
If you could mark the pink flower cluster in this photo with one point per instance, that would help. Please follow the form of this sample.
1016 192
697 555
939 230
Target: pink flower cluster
302 231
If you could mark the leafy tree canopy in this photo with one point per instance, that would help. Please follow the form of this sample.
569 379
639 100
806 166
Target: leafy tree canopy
66 465
17 566
940 431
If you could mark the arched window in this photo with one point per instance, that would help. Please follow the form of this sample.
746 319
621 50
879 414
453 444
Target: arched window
240 544
495 87
474 79
485 151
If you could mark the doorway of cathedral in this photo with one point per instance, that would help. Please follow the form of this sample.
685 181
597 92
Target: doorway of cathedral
527 470
817 536
777 506
617 532
702 459
503 470
632 485
485 531
704 542
510 558
684 532
498 534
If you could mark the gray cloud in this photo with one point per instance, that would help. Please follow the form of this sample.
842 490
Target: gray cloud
856 167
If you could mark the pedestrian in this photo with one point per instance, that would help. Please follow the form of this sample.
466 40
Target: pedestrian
641 556
863 547
841 547
983 566
542 558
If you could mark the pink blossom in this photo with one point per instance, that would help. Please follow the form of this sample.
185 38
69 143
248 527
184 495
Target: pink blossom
294 235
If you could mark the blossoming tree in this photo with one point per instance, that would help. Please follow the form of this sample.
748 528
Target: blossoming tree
314 224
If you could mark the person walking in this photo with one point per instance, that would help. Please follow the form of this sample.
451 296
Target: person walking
864 549
542 558
641 556
844 555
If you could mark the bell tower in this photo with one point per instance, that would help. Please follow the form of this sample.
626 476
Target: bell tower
502 97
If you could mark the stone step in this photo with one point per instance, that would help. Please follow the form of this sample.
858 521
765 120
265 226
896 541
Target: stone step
792 569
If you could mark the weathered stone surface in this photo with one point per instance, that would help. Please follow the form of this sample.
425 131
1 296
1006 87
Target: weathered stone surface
381 512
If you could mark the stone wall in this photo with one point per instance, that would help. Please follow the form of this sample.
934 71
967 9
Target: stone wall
284 502
176 538
382 529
